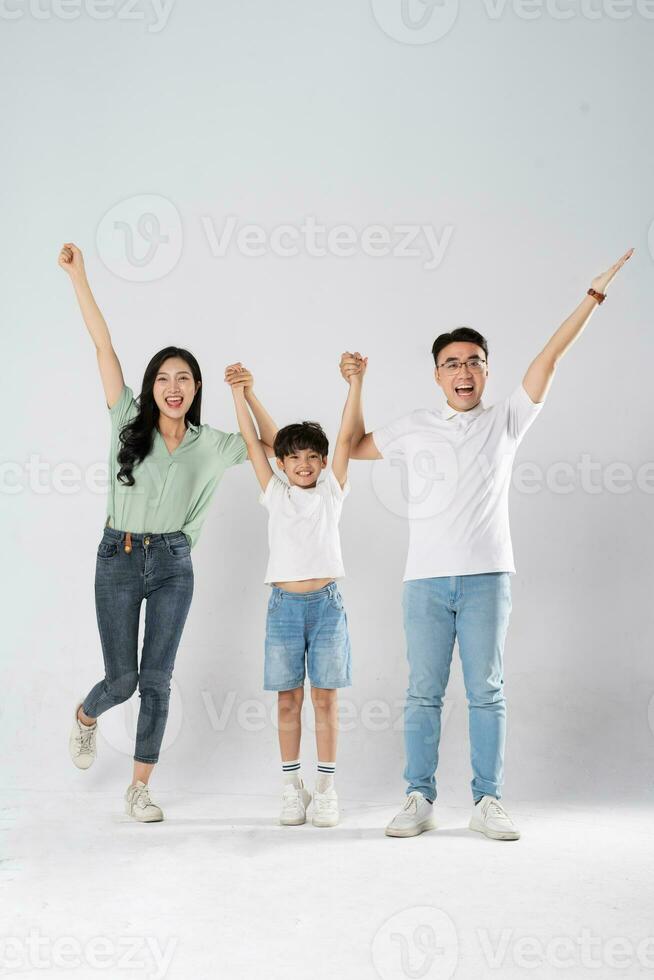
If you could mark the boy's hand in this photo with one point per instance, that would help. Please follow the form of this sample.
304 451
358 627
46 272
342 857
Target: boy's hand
353 365
239 377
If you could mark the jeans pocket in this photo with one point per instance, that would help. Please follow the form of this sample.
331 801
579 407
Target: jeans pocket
107 549
178 547
274 601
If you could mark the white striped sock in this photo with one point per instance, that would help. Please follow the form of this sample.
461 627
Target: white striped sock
291 771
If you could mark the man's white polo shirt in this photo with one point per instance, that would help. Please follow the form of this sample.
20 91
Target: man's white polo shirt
455 469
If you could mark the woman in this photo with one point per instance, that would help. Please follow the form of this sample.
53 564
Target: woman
164 466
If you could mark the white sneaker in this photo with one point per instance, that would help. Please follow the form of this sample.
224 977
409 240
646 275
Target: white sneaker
139 805
416 816
295 800
325 808
490 818
81 743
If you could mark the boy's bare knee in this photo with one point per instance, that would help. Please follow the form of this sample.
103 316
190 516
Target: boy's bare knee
290 700
323 697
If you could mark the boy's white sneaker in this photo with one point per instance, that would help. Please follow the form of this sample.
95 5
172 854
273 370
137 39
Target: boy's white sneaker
139 805
416 816
490 818
81 743
325 808
295 800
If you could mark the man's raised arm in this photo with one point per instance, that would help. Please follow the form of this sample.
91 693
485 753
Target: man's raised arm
362 445
539 375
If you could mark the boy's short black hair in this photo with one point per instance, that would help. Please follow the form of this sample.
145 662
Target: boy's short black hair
300 435
462 334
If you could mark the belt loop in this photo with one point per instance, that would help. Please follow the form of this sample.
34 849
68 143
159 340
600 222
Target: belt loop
128 543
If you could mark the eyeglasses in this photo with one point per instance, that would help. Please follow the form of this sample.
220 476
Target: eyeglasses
475 364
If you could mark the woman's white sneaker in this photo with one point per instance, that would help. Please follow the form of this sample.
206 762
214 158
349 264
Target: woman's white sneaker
416 816
295 800
325 808
139 805
81 743
490 818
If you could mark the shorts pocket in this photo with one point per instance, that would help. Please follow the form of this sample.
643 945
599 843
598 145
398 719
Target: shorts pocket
336 599
274 601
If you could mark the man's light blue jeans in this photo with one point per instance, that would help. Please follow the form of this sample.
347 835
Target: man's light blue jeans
475 610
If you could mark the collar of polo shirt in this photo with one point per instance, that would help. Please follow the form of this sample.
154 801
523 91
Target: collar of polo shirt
448 412
192 427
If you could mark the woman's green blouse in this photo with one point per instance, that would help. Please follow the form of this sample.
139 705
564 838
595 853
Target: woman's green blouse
172 491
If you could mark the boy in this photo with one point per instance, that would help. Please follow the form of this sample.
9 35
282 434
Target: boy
306 618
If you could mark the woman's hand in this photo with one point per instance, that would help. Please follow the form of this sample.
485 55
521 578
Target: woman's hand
71 260
600 283
238 376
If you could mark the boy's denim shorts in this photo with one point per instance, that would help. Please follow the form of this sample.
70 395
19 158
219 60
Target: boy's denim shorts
307 628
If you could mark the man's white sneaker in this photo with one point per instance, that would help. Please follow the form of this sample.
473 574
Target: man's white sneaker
139 805
415 817
295 800
81 743
490 818
325 808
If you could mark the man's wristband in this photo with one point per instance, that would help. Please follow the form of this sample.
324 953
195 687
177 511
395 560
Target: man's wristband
600 297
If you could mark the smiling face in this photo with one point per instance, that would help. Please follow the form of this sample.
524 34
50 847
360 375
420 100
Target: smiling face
174 388
302 467
464 387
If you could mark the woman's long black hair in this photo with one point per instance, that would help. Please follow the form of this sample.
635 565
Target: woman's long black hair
137 436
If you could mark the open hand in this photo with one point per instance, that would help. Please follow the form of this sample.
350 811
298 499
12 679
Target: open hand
600 283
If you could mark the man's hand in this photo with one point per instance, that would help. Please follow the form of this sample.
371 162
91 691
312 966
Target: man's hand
239 377
600 283
353 365
539 375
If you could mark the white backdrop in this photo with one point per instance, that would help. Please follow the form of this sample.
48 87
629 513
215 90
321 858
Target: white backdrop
516 145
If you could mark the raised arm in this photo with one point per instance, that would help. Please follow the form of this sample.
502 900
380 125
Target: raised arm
351 422
362 445
256 449
239 375
72 261
539 375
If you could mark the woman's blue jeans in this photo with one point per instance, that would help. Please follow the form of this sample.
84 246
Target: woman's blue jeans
475 610
159 570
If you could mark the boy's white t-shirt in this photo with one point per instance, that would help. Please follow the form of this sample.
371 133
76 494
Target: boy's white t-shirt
303 529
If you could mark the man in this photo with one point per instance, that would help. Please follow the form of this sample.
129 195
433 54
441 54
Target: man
456 581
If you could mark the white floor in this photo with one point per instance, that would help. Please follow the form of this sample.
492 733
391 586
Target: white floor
220 890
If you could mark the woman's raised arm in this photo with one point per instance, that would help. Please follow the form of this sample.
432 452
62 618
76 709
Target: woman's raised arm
71 260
